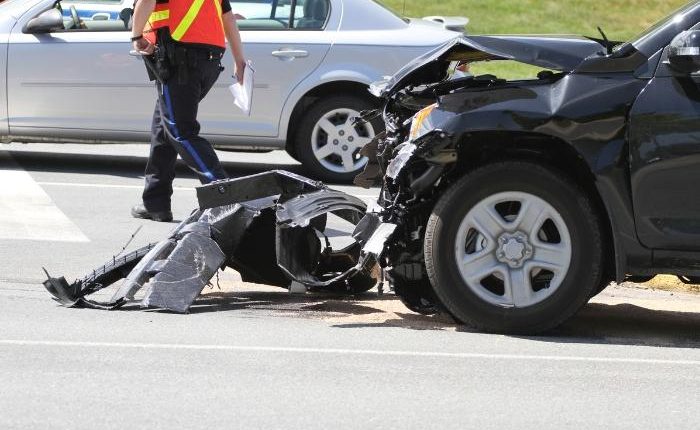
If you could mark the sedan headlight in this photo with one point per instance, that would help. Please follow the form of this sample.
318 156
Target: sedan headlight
421 124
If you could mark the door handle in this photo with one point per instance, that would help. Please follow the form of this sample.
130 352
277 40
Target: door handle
290 53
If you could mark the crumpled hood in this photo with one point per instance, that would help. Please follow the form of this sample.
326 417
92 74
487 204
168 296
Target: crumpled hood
562 53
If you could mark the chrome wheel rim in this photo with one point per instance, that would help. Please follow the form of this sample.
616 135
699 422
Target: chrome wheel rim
336 143
513 250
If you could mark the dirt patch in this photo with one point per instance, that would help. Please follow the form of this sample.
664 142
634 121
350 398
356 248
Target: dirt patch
670 283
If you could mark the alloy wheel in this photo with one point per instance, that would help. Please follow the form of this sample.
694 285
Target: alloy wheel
513 249
336 142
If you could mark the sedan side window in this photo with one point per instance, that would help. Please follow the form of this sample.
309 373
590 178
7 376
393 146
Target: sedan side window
96 15
281 14
311 14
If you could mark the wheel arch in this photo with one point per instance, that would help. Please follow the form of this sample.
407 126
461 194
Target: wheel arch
482 148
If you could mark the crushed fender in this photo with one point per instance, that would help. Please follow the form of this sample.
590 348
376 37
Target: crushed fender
269 227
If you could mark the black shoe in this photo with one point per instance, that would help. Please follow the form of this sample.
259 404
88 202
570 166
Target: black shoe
140 211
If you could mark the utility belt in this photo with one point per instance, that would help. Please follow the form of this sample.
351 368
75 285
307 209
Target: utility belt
171 57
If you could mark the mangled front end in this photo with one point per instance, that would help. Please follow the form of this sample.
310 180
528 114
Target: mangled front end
429 113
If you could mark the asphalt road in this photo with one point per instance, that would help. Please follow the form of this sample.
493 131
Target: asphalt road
257 357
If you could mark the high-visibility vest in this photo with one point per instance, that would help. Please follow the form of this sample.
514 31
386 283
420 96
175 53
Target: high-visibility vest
189 21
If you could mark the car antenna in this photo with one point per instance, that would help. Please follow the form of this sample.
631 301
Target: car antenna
605 39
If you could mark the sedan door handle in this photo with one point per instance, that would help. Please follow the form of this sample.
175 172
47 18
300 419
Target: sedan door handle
290 53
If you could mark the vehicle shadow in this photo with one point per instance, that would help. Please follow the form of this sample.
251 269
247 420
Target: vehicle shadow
123 166
596 323
628 324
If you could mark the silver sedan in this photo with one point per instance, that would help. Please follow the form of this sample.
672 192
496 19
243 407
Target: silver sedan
69 79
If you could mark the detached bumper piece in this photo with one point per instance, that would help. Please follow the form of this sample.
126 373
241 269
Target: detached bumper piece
269 227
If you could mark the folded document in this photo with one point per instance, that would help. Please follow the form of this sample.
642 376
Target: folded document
243 93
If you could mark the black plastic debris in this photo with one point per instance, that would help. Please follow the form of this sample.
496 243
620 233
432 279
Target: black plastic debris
268 227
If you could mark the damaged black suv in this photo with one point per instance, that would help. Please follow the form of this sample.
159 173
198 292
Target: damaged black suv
518 201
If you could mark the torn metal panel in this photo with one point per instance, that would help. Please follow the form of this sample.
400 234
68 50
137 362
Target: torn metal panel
562 53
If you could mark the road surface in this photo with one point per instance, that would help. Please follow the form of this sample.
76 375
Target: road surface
257 357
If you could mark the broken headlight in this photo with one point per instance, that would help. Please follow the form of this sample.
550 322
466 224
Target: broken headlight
429 119
421 124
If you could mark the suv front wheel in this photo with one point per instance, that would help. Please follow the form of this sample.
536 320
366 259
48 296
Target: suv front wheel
513 247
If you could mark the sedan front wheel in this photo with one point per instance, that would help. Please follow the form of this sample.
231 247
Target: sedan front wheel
328 143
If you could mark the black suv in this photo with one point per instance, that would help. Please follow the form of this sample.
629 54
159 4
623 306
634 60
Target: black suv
518 201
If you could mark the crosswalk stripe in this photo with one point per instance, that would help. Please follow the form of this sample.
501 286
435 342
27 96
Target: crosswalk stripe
27 212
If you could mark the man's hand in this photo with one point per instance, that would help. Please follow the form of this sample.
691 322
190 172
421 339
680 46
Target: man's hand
240 65
143 47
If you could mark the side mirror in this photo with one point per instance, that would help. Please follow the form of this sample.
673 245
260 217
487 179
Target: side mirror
684 52
46 22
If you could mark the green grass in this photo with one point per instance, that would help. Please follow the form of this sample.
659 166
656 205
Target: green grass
621 19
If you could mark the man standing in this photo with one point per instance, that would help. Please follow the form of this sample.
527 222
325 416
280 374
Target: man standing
184 41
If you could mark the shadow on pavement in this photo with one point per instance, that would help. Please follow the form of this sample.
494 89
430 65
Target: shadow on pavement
124 166
596 323
628 324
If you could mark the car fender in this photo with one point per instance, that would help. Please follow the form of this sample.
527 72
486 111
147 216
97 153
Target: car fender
567 111
338 67
322 76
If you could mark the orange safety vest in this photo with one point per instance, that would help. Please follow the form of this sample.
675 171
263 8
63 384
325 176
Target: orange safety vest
189 21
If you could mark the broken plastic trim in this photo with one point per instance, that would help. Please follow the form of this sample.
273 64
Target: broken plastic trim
266 226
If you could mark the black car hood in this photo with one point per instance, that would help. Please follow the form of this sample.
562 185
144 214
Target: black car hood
562 53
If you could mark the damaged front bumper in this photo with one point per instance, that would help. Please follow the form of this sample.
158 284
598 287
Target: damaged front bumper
269 227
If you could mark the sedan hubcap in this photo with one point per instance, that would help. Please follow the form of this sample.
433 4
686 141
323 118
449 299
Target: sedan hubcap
336 142
513 249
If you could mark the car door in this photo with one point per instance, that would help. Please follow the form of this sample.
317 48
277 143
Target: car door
76 83
285 48
664 138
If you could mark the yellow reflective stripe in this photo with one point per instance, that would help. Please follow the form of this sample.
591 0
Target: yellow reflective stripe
217 4
187 21
159 16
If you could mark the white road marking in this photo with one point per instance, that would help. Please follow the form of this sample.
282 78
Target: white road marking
84 185
139 187
27 212
335 351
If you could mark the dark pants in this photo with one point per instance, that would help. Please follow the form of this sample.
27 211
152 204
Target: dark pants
175 131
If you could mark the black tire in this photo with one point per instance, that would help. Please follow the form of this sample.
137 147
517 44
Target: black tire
584 271
303 147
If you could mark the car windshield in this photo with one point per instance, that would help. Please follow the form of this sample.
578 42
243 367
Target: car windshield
676 16
393 12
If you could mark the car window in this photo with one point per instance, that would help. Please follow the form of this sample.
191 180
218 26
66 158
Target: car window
281 14
311 14
96 15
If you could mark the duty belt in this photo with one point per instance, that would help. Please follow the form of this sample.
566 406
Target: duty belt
184 58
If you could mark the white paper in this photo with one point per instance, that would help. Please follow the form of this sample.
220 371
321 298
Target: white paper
243 94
